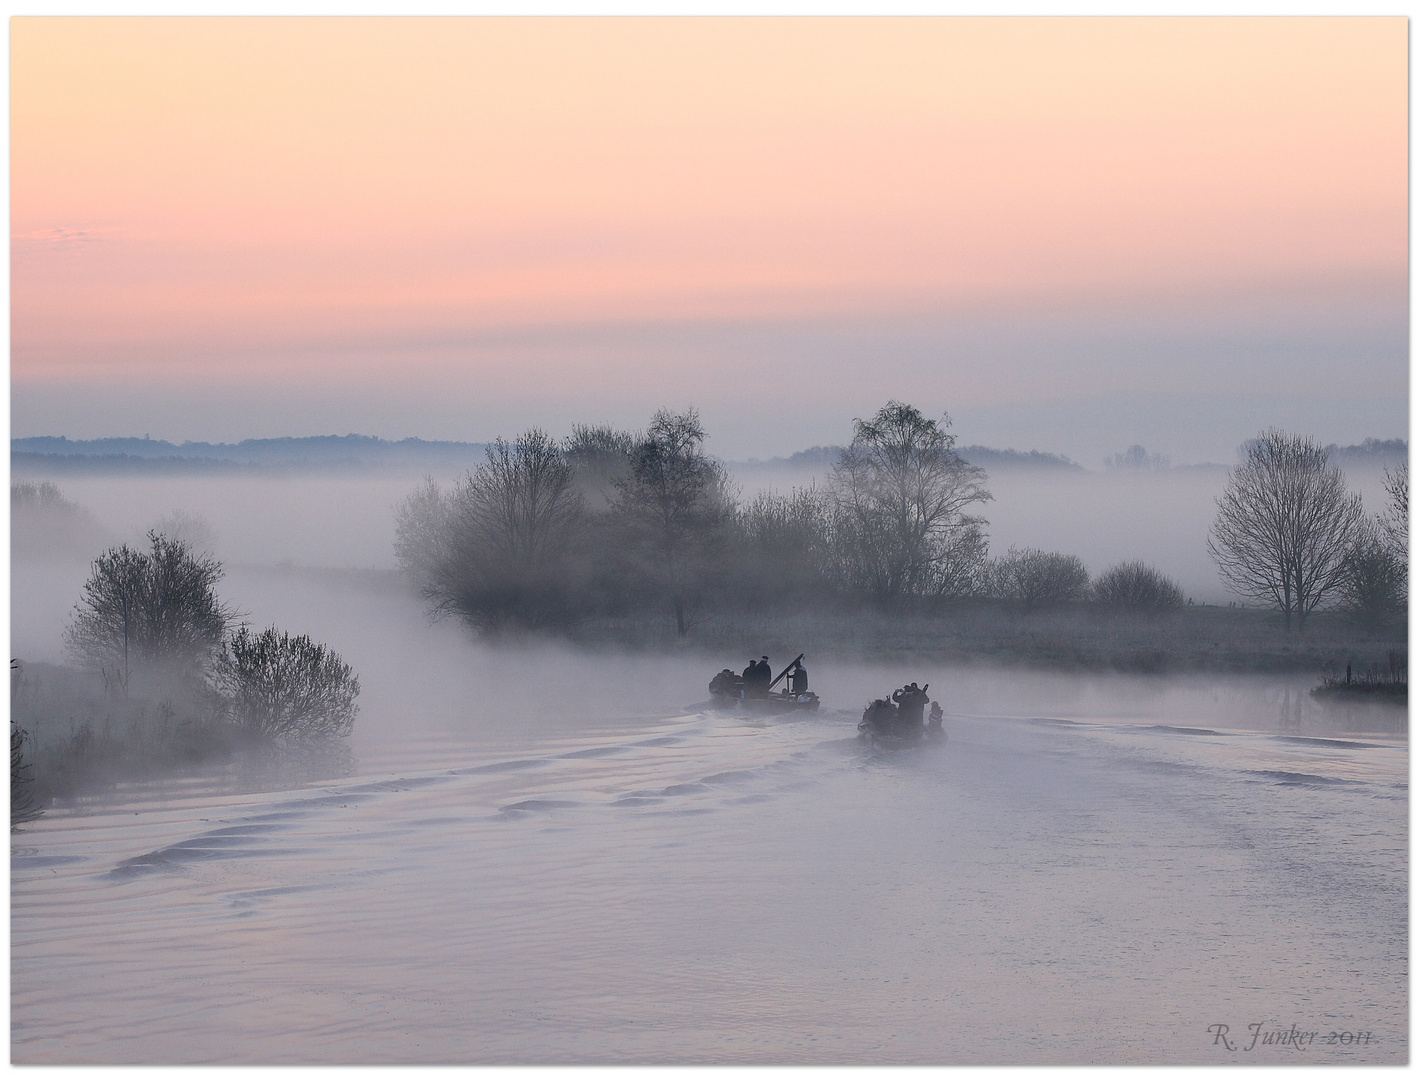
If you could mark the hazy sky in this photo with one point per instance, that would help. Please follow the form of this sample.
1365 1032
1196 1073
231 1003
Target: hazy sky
1068 234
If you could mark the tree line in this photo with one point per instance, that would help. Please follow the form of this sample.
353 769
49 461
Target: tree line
543 533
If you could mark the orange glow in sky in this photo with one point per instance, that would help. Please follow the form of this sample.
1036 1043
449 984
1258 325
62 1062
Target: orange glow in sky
229 193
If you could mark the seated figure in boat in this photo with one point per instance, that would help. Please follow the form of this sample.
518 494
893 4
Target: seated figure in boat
879 718
725 684
937 716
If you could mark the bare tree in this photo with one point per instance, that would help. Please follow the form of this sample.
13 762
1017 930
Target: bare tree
1284 525
423 532
511 530
286 688
900 493
673 507
148 609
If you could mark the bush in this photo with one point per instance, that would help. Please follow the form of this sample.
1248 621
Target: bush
1037 579
23 806
284 688
1136 586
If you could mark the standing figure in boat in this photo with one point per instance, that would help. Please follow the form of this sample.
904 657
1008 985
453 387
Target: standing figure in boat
799 679
764 677
911 700
901 716
749 679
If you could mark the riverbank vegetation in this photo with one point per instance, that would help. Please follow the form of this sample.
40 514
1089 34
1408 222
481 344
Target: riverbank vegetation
163 679
642 529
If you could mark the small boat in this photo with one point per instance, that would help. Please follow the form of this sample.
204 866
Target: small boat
883 723
729 691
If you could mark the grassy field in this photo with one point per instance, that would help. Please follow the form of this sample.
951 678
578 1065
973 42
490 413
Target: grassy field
1199 638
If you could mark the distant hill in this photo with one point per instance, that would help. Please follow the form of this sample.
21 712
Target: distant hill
57 454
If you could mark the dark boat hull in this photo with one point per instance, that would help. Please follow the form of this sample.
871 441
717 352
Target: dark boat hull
772 703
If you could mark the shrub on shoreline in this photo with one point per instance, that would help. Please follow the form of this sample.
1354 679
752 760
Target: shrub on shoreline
284 688
1135 586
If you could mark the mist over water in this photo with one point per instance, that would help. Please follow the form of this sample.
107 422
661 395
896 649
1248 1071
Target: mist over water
543 854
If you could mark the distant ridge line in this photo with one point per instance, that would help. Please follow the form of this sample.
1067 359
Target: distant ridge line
286 448
975 455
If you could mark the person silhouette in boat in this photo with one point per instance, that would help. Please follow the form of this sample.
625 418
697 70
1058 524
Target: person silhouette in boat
725 683
749 676
937 716
879 717
799 680
764 677
911 700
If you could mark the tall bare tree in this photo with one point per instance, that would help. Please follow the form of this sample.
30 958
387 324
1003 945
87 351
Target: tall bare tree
1396 518
900 494
1285 525
423 532
673 507
511 530
149 608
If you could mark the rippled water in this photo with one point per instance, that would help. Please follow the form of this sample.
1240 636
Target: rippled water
1086 870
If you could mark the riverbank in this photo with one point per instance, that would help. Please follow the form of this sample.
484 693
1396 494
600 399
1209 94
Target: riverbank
1200 638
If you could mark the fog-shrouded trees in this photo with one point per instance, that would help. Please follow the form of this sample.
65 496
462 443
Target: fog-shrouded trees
149 609
899 496
498 550
1374 589
601 458
44 525
23 805
424 534
783 548
1396 519
1285 525
672 511
1135 587
285 688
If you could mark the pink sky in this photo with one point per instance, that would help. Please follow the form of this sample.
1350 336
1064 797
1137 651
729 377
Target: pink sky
207 205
